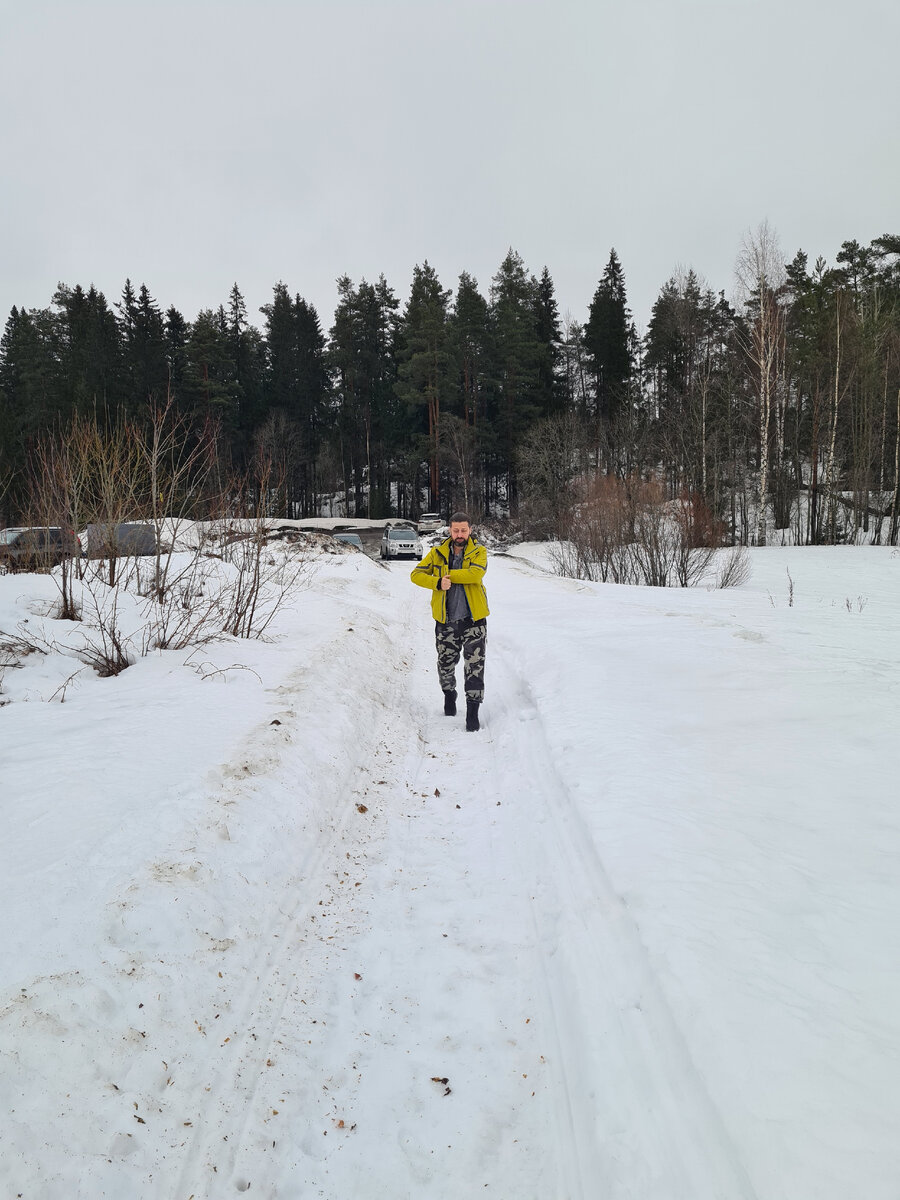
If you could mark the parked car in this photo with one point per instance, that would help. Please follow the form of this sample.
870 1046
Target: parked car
352 539
124 539
397 542
36 547
429 522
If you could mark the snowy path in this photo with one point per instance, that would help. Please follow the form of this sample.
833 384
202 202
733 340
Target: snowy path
519 977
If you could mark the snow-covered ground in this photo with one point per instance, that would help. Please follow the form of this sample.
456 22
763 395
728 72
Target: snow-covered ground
275 925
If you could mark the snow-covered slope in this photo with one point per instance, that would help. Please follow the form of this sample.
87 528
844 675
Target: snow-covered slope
275 925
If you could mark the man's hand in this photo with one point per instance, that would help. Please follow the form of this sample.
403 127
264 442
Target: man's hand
445 583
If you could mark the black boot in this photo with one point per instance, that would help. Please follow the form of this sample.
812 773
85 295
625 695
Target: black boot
472 707
449 704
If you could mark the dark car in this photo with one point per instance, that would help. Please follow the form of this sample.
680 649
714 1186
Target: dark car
36 548
127 539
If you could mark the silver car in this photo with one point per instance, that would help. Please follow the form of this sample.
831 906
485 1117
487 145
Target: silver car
400 543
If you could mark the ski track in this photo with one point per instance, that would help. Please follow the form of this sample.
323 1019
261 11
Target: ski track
638 1119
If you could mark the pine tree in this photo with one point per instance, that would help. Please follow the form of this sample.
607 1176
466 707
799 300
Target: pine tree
312 394
362 360
296 388
210 370
423 372
388 430
516 362
470 346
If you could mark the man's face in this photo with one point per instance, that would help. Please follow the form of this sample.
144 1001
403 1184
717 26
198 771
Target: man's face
459 533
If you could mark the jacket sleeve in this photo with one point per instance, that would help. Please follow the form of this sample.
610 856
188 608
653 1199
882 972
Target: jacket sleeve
427 573
474 572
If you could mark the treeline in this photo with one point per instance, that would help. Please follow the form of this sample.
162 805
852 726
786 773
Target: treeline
782 412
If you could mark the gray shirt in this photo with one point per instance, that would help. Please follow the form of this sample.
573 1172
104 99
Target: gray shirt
457 604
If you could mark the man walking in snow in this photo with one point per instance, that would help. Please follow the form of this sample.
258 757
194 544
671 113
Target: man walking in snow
454 574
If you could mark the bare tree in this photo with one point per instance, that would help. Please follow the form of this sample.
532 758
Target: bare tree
179 462
459 448
761 277
549 458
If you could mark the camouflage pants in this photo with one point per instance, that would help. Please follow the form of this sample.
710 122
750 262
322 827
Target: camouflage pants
471 640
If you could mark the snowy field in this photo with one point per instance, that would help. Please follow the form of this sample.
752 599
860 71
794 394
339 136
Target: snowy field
274 925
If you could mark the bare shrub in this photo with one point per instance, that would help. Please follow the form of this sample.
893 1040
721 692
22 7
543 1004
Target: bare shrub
732 567
188 612
107 647
597 531
163 474
658 539
699 534
107 462
264 576
55 494
8 660
626 531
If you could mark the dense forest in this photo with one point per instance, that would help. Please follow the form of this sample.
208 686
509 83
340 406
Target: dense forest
782 413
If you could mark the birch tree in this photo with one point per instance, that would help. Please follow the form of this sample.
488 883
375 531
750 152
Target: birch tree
761 277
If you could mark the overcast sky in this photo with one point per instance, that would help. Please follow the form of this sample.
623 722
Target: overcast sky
190 145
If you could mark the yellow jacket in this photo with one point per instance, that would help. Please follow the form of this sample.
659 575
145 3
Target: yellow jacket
436 564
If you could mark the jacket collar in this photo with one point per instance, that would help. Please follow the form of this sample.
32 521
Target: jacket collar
444 547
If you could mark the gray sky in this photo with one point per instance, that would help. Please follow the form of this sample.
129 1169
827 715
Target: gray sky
190 145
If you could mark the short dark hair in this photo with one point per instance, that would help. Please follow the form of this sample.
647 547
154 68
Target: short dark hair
459 517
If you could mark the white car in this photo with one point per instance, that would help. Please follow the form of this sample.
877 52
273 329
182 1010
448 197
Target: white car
429 522
397 542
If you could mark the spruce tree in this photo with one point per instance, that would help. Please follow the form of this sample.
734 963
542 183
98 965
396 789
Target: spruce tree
549 388
606 338
144 348
210 371
89 349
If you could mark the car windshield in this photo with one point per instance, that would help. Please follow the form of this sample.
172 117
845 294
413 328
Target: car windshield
353 538
8 536
400 535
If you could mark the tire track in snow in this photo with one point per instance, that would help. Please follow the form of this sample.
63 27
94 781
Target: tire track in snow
259 1009
443 992
638 1121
